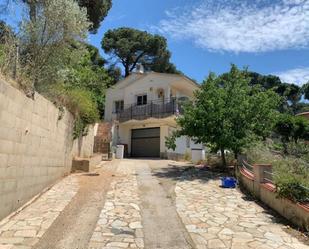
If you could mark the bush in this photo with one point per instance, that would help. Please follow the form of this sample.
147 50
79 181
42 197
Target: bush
261 153
291 175
79 102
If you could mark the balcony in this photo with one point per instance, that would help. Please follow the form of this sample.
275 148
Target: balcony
154 109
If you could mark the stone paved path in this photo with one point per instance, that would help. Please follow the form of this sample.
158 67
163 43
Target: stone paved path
24 230
148 204
223 218
120 222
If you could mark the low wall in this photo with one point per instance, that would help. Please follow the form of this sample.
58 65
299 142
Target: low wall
255 183
36 146
86 164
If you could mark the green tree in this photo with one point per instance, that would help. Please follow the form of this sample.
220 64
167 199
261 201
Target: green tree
96 10
305 90
224 113
291 128
301 128
90 76
57 27
132 46
284 127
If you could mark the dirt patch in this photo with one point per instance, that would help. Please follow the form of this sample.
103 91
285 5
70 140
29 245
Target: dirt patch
74 226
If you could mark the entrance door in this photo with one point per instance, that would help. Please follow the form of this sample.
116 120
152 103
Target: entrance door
145 142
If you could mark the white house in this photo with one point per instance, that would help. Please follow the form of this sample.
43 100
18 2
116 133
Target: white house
143 108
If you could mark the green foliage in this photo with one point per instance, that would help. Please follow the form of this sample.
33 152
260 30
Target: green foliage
225 112
132 46
290 93
96 10
290 127
305 90
86 74
261 152
284 126
291 176
48 42
79 102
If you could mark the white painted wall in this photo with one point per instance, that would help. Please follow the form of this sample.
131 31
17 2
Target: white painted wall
149 83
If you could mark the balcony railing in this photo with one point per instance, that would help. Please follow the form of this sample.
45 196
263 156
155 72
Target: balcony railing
154 109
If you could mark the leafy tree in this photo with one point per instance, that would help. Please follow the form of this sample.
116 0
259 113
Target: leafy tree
225 113
132 46
290 127
300 129
95 56
305 90
115 73
96 10
57 26
162 64
87 75
284 127
265 81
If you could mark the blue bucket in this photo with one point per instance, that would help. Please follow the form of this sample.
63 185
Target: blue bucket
228 182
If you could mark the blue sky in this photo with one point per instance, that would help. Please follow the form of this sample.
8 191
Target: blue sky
269 36
209 35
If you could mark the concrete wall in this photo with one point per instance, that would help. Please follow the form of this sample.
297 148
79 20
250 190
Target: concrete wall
36 148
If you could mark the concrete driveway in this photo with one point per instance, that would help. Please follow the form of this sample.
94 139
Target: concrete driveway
144 204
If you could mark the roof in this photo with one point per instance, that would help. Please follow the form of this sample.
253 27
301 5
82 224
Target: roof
138 76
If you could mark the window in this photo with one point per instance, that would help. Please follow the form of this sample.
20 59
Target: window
119 106
141 100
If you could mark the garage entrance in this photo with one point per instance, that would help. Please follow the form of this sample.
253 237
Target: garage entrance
145 142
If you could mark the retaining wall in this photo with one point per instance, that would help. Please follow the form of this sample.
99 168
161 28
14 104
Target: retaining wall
36 148
255 182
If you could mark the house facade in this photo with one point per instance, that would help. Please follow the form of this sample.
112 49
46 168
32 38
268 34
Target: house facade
143 109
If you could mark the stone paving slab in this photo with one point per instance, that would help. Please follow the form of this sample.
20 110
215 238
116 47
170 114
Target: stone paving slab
24 230
223 218
120 223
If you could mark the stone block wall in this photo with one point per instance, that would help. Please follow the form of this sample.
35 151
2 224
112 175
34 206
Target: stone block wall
36 148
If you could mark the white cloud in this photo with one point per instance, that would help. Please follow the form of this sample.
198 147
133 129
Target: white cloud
298 76
241 26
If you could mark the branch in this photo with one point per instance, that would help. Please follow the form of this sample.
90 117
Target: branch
136 61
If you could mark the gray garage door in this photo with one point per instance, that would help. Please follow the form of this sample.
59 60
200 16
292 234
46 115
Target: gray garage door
145 142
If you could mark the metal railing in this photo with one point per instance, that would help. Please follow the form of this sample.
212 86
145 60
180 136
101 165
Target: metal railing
157 109
268 176
247 166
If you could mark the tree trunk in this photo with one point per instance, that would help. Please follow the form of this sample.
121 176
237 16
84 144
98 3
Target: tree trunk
127 71
32 10
223 157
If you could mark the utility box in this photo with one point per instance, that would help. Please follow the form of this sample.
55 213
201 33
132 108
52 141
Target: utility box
119 151
197 154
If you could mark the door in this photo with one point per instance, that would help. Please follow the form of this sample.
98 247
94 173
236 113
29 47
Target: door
145 142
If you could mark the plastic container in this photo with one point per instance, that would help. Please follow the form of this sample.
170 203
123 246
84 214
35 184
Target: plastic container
120 151
228 182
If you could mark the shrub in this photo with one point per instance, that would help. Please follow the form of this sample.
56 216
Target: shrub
79 102
187 156
261 153
291 177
